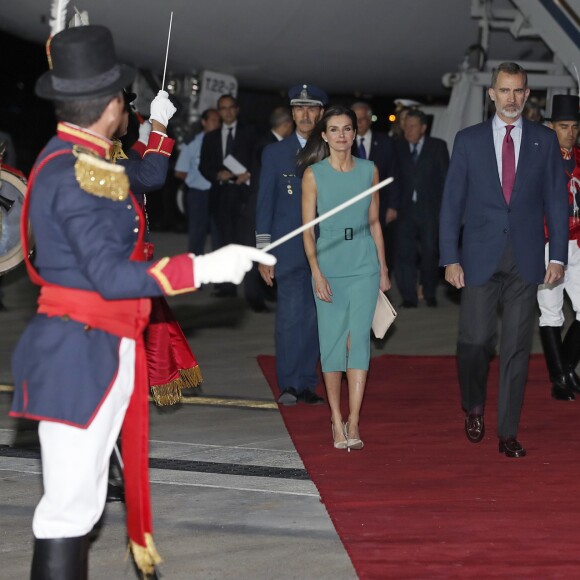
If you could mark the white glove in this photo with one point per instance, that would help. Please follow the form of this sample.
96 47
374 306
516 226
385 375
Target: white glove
144 132
228 264
162 109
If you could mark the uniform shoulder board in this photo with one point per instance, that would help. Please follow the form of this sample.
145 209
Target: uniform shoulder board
99 177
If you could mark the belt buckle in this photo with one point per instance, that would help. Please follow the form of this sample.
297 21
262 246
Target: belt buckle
348 233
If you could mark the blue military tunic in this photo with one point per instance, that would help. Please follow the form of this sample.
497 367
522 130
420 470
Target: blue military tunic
279 211
62 369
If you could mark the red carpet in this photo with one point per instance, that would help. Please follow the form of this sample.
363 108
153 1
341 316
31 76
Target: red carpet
420 501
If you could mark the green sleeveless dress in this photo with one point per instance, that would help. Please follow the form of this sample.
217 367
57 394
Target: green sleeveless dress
347 257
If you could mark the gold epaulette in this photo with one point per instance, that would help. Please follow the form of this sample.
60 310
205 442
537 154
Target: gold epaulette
99 177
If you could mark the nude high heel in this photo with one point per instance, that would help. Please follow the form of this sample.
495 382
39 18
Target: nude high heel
355 444
338 444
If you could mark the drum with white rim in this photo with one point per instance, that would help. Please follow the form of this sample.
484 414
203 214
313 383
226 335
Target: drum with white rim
12 193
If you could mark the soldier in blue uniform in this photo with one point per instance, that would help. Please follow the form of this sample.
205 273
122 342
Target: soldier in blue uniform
279 211
80 365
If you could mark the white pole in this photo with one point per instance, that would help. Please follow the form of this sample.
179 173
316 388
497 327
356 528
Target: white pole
326 215
167 51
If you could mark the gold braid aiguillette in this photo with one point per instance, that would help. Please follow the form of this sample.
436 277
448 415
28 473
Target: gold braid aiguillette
117 151
99 177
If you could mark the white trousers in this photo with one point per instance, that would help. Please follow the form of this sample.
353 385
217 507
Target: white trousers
551 296
75 462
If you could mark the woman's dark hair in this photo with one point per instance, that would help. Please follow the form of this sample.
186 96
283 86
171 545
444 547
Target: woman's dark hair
316 149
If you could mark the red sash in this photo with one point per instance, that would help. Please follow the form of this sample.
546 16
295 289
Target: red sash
124 318
171 364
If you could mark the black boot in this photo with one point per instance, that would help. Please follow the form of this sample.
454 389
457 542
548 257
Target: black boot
571 355
552 343
60 559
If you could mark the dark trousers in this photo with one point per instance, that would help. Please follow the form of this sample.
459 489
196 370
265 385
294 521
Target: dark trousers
478 335
417 250
297 349
255 288
389 240
199 221
230 200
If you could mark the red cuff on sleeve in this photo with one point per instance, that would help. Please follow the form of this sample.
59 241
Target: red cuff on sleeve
159 144
139 147
174 275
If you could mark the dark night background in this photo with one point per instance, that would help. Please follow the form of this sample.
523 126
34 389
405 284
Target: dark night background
31 122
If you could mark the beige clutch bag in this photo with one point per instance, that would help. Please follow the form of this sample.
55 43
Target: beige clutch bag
385 315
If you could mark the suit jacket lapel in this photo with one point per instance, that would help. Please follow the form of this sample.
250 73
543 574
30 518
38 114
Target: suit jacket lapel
424 150
523 159
297 146
489 154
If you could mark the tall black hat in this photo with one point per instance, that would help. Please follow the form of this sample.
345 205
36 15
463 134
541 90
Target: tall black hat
83 66
565 108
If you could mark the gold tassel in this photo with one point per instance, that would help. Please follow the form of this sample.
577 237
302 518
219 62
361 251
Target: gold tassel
191 377
116 151
146 557
170 393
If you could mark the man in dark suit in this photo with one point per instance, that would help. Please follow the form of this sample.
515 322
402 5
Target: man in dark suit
229 192
279 211
504 180
420 169
378 147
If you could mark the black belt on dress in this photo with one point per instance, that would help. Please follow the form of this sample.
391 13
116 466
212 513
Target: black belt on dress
347 233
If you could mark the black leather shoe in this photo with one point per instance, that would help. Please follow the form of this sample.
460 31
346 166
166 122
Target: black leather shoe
561 392
115 493
474 428
511 447
288 397
573 380
310 398
408 304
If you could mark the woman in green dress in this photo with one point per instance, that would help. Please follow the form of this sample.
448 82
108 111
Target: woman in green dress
347 262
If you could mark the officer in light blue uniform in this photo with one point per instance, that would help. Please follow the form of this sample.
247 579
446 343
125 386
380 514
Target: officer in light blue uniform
279 211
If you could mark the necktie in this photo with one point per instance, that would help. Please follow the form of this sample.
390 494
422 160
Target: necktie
229 143
414 153
508 164
362 152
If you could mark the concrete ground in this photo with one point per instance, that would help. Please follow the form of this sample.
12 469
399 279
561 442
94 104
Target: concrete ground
230 495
